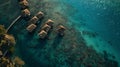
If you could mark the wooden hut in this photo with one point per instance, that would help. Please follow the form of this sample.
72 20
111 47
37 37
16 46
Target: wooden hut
31 27
42 34
49 22
25 13
33 20
61 30
39 15
24 4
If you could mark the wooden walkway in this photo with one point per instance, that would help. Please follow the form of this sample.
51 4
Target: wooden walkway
13 23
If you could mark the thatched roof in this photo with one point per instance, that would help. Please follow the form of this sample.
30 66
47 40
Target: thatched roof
40 15
42 34
46 27
50 22
25 12
24 3
31 27
33 20
61 27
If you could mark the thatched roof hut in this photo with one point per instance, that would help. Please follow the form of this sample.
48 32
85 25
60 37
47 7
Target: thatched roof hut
25 13
39 14
24 4
50 22
61 30
33 20
42 34
46 27
31 27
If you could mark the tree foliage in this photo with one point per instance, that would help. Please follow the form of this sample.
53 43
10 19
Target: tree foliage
7 43
2 30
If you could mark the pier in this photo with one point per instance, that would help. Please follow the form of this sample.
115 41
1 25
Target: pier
13 23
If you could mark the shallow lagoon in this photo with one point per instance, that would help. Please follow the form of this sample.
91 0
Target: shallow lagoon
78 17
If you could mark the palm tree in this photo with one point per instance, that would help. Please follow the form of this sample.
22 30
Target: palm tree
2 30
18 62
7 42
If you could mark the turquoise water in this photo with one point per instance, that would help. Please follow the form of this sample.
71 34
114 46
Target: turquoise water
99 18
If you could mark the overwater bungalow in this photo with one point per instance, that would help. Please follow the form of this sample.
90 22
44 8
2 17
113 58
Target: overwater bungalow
25 13
1 53
23 4
49 22
46 27
31 27
61 30
40 15
42 34
44 31
33 20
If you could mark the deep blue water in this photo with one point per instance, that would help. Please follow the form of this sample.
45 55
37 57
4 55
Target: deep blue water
101 16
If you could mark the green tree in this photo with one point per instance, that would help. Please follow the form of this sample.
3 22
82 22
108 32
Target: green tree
18 62
2 30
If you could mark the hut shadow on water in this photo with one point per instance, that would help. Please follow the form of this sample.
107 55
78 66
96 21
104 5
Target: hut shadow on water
57 41
42 43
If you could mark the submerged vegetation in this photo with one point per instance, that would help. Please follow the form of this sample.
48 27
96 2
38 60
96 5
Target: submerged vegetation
7 47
